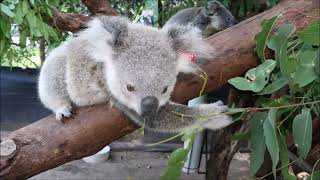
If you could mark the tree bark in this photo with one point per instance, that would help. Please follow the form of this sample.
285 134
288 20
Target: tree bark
42 49
74 22
100 7
47 143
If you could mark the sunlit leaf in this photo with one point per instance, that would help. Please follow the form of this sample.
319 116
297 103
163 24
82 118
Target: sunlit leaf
256 78
6 10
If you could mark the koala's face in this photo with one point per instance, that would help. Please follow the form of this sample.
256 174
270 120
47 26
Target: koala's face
143 72
221 18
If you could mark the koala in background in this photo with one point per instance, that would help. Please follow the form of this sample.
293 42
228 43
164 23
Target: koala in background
213 18
132 65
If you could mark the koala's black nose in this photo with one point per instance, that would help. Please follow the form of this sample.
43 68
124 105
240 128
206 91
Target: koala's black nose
149 106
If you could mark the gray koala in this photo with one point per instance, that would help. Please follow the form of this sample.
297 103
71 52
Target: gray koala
215 16
133 66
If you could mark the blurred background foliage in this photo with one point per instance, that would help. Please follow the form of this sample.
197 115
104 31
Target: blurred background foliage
26 24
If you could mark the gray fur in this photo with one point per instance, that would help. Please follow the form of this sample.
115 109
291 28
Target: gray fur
98 64
215 15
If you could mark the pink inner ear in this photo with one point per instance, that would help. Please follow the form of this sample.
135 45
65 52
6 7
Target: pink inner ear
189 56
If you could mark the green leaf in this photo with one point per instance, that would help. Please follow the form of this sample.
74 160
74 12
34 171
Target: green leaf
257 141
282 56
302 132
286 30
256 78
25 7
274 86
284 159
283 32
32 20
6 10
310 35
23 34
178 157
262 37
175 164
306 68
269 131
314 176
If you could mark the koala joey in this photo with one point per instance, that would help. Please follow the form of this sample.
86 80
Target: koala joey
215 16
132 65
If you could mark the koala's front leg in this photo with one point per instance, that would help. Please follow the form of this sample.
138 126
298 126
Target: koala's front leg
205 115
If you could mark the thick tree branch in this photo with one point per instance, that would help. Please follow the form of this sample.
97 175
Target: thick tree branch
69 21
100 7
74 22
47 143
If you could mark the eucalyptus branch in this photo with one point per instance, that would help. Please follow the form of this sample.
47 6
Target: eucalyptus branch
248 109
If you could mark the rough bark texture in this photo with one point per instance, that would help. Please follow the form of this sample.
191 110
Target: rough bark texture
74 22
69 21
47 143
100 7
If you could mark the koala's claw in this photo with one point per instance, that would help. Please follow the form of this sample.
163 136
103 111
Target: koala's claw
63 112
219 103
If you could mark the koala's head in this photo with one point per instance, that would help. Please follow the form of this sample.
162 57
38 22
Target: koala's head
221 17
142 63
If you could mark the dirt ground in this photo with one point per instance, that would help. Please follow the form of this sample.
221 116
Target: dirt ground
135 166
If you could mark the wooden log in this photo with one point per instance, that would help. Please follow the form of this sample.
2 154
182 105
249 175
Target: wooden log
100 7
47 143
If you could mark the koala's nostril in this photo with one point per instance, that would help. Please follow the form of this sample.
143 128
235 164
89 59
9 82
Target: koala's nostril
149 105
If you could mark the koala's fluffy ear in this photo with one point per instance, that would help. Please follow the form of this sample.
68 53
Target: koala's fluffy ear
117 26
188 40
103 35
212 7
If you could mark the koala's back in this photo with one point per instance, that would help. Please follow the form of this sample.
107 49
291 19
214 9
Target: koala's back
195 15
84 76
69 74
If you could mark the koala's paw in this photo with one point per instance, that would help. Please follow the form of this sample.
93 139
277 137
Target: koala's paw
64 111
220 107
217 121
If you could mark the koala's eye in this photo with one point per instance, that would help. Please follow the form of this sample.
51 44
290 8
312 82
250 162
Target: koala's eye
165 90
130 88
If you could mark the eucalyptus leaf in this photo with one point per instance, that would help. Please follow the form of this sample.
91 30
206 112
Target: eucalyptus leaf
256 78
284 159
310 34
306 69
302 132
269 131
274 86
6 10
262 37
257 141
